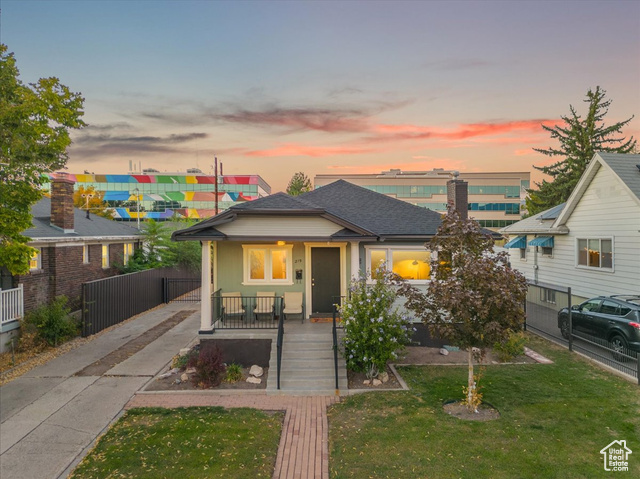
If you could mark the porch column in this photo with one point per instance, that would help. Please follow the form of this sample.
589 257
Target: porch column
206 326
355 259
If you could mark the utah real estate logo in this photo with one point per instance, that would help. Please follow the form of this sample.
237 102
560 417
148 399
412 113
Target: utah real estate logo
616 456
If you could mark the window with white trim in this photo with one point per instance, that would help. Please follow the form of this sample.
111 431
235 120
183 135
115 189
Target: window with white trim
128 252
85 254
411 263
595 253
35 262
266 264
105 255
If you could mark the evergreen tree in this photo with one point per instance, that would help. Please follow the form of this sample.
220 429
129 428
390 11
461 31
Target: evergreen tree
579 140
299 183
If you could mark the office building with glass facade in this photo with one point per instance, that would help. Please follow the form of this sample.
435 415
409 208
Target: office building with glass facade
161 195
496 199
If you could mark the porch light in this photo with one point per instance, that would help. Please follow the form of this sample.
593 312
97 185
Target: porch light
281 243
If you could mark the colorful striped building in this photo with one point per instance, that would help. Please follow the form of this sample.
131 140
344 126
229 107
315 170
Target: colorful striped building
161 195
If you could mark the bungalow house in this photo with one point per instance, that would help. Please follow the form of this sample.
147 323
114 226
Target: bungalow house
591 243
72 247
313 244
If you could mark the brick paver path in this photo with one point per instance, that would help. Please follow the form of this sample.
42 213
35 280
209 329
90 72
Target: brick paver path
304 445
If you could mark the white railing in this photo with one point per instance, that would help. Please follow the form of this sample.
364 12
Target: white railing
11 305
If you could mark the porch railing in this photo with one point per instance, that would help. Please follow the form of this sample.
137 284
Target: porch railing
279 343
11 305
230 311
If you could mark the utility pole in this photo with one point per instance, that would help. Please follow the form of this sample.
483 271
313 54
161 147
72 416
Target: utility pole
215 174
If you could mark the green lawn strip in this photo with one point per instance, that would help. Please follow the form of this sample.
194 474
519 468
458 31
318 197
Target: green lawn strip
554 421
186 442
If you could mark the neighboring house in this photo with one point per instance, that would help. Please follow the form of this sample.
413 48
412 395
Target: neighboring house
592 242
495 198
162 195
72 248
314 243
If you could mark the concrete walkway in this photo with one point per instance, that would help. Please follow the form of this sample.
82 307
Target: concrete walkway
49 417
303 452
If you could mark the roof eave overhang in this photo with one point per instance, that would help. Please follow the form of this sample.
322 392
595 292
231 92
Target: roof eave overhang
561 230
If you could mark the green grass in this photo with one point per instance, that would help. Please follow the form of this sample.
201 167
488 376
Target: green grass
554 421
186 443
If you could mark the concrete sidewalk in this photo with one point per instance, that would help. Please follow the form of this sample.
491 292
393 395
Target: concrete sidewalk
48 416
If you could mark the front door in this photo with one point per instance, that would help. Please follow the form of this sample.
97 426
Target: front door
325 279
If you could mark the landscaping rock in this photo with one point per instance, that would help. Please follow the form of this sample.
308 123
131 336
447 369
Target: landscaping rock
174 370
444 352
184 377
184 351
366 382
165 375
377 382
256 371
178 381
253 380
190 370
384 377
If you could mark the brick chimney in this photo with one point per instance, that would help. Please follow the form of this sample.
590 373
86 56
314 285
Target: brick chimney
458 195
62 202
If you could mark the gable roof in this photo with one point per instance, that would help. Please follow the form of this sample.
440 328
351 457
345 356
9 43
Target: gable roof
83 227
361 212
622 166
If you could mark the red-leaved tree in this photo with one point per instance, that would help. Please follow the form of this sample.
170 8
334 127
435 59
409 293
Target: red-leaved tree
475 299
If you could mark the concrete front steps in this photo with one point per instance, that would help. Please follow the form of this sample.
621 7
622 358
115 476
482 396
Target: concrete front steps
308 366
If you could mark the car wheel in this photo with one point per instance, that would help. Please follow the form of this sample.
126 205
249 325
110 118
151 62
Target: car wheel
619 347
564 329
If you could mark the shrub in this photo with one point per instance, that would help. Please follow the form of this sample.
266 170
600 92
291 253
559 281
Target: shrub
511 347
373 332
209 367
181 362
234 373
52 322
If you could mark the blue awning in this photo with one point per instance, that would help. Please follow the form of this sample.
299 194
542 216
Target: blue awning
544 241
517 242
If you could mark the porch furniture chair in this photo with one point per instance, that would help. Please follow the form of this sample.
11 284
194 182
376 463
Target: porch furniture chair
265 304
293 305
232 305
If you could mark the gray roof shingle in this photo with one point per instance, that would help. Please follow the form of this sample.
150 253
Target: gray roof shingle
95 226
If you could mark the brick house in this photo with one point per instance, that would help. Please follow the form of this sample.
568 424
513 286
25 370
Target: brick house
73 247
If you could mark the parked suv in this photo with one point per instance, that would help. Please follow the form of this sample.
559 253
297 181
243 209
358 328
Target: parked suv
613 318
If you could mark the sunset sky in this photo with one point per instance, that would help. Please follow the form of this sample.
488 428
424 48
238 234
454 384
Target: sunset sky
273 88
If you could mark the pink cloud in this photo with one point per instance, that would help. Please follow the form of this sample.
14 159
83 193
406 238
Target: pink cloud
294 149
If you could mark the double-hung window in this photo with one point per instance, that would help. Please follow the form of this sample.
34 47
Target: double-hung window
35 262
105 255
85 254
411 263
128 252
266 264
595 253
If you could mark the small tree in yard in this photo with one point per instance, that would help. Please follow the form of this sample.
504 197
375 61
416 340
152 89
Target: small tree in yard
474 299
373 331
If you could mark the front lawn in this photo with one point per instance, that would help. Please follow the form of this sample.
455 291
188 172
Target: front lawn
186 443
554 421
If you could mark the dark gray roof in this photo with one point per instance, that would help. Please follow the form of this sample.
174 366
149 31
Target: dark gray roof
380 214
277 201
95 226
552 213
625 167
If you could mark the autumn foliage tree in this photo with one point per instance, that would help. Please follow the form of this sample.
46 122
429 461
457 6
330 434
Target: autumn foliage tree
94 200
35 120
475 299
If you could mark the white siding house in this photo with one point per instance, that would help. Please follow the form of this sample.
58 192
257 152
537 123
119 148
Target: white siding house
592 242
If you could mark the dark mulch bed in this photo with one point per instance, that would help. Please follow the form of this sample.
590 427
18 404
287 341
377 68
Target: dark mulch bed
170 383
356 381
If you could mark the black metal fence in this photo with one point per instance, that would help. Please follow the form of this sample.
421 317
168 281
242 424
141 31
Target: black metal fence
234 311
544 304
109 301
186 290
